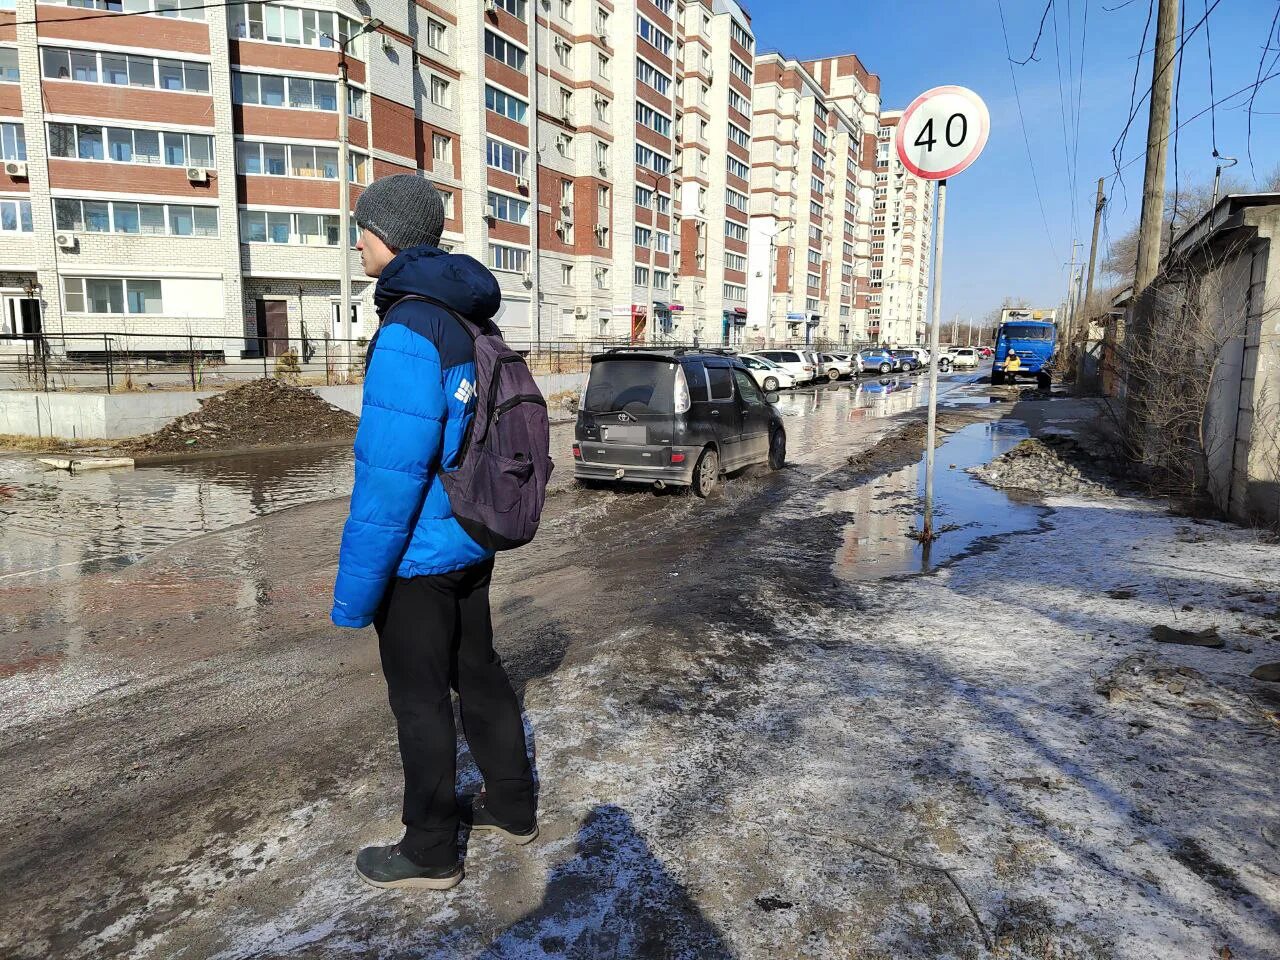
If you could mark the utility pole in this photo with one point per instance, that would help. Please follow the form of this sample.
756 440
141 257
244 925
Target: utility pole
1149 227
1071 286
344 197
1093 246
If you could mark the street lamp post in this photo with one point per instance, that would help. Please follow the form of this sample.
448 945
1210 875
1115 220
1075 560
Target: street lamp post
651 321
773 269
344 196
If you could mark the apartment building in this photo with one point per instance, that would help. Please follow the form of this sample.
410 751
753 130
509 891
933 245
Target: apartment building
900 242
810 198
618 164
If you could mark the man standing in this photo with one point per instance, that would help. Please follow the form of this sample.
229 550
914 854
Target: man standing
406 565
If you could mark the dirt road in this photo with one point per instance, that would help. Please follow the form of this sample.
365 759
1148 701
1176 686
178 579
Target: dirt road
748 745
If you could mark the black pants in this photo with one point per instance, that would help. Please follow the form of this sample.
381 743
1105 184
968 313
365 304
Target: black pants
435 633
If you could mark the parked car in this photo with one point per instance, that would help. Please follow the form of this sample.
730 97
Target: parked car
876 359
911 358
768 374
674 417
835 366
800 364
963 357
986 352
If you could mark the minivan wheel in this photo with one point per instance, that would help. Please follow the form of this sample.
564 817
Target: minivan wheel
886 367
777 450
706 473
770 384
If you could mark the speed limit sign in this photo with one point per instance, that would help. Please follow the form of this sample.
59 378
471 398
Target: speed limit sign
942 132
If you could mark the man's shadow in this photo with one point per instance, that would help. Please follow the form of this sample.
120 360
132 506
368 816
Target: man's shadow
613 899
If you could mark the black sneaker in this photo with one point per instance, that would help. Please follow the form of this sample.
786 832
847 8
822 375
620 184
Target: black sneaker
388 868
482 821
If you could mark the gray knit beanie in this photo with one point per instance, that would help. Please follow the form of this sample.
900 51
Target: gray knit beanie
403 210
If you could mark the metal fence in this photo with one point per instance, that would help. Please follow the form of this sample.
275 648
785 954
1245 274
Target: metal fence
125 362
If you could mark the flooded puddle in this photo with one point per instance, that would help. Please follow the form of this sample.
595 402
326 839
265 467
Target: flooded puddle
56 525
876 542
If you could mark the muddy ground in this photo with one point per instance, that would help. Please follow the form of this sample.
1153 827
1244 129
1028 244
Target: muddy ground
747 747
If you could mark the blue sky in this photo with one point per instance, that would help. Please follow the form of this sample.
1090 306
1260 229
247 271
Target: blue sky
996 242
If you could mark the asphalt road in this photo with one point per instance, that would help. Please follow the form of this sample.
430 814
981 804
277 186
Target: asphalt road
187 739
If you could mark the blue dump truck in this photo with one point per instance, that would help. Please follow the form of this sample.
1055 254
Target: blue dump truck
1032 338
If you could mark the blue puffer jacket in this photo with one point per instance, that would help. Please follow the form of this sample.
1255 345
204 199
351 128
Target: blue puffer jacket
419 395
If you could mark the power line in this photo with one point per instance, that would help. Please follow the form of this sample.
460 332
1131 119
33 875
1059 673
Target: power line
1185 38
116 14
1177 97
1072 192
1213 114
1133 92
1266 47
1022 120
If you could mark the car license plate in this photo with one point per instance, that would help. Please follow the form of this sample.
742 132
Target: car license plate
624 433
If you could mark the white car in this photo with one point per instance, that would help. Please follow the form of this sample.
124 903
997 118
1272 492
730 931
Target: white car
798 363
963 357
767 374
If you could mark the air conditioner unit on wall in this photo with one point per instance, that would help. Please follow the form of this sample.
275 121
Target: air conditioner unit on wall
522 184
197 174
66 241
561 226
490 6
527 278
580 312
16 168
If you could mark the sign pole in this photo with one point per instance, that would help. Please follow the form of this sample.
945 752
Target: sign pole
927 534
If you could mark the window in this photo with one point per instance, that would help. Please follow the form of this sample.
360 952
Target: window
735 199
647 157
819 137
514 7
602 153
814 280
739 136
602 278
15 216
816 184
446 197
644 236
440 94
653 36
740 69
815 257
125 145
740 103
602 66
642 276
504 51
85 66
566 273
721 381
735 231
510 209
651 76
442 148
111 295
306 229
505 104
9 65
602 22
566 104
13 142
566 9
819 161
740 36
438 36
815 208
502 156
651 118
735 261
848 248
737 168
163 8
661 280
277 24
510 259
120 216
297 93
664 6
811 305
602 200
297 160
602 236
564 52
602 109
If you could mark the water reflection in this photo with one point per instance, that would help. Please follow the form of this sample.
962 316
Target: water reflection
885 509
59 526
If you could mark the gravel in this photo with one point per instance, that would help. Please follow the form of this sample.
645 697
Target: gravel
1054 464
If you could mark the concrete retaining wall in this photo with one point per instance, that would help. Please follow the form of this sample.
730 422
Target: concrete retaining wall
101 416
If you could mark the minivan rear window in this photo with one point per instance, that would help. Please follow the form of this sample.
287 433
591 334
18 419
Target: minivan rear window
636 386
721 383
696 376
